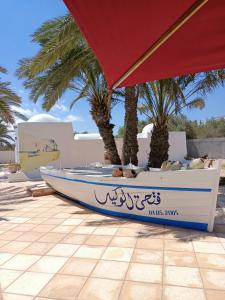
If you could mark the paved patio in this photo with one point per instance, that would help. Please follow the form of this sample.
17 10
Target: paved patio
52 248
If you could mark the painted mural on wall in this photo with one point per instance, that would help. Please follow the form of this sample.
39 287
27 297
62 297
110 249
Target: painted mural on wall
36 152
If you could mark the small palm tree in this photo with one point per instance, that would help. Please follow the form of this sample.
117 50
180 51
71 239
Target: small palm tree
5 137
8 99
92 87
165 98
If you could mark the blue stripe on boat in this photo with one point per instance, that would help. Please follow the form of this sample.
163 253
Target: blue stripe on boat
177 223
162 188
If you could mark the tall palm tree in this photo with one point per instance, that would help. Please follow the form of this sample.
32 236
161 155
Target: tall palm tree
63 57
8 100
92 87
5 137
130 143
165 98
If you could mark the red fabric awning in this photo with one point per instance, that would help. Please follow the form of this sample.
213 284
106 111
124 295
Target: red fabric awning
121 31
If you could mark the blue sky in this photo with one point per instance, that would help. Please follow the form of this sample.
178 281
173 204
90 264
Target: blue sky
18 20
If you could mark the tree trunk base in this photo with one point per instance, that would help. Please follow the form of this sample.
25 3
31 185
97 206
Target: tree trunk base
159 146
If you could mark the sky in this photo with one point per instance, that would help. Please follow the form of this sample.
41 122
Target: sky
18 20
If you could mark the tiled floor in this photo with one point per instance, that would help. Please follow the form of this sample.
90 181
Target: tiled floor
52 248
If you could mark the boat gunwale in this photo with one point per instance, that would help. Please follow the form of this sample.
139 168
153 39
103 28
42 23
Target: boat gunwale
182 189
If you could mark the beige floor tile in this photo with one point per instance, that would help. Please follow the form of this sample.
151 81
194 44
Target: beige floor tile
43 298
89 252
110 269
123 241
52 237
144 273
151 244
29 283
63 287
21 262
72 238
6 296
177 234
222 240
7 226
29 236
182 293
182 276
213 261
205 237
151 233
24 227
7 277
36 220
3 242
147 256
105 230
118 253
208 247
61 228
215 295
4 257
213 279
10 235
137 290
84 229
72 222
136 225
14 246
98 240
176 245
37 248
180 258
43 228
100 289
48 264
52 221
127 232
19 220
63 250
78 266
62 215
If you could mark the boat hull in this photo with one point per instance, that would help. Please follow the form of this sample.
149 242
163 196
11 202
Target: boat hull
178 198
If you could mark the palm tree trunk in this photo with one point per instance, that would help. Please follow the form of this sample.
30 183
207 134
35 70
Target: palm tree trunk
159 145
106 132
130 143
102 117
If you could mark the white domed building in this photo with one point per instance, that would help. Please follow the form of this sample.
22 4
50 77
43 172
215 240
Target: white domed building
44 118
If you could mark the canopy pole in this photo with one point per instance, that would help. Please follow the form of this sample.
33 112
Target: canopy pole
179 23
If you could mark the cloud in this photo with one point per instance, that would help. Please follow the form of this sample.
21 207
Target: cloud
25 111
72 118
60 107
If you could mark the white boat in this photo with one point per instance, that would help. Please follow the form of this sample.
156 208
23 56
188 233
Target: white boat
183 198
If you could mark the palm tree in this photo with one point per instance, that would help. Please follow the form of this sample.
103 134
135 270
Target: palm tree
130 143
92 87
5 137
165 98
8 101
63 57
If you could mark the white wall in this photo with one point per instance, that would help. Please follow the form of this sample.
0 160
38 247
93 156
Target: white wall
83 152
7 156
88 151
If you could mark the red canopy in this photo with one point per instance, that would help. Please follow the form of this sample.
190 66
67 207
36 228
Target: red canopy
182 36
